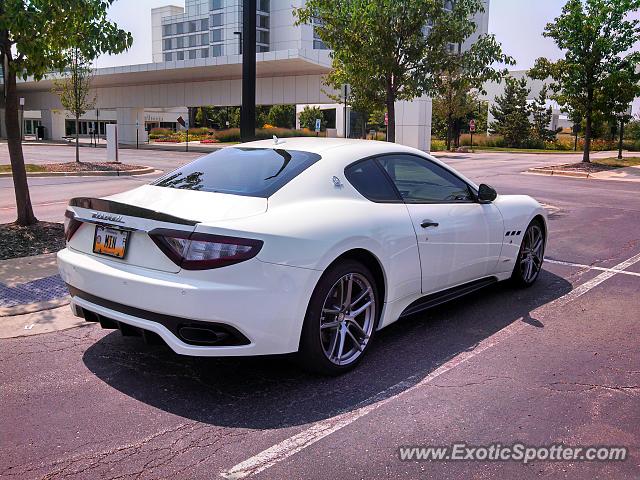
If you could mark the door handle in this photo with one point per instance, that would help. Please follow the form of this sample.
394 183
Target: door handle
429 223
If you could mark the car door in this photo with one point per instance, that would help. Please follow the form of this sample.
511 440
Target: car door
459 239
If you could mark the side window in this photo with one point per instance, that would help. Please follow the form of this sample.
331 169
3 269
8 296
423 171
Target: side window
371 182
420 181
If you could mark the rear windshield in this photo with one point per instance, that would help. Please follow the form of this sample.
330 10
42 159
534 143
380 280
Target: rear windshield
254 172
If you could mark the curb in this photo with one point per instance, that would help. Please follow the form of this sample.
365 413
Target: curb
561 173
98 173
33 307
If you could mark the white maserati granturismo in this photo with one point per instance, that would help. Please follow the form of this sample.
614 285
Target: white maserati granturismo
299 245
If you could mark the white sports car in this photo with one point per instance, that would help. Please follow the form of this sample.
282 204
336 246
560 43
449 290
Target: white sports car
299 245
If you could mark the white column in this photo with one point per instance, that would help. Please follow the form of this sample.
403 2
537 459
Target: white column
126 119
54 122
413 123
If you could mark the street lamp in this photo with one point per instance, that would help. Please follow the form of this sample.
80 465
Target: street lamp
22 119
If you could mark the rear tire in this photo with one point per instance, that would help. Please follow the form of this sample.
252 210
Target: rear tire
530 257
341 319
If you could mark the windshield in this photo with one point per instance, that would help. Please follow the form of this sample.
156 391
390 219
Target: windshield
254 172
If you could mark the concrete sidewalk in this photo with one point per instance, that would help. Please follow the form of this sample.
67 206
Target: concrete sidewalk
33 297
626 174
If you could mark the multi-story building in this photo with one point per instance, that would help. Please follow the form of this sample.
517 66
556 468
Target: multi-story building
212 28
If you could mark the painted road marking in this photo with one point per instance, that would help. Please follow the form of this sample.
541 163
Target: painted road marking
590 267
321 429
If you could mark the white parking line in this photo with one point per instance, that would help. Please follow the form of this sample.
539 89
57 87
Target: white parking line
319 430
590 267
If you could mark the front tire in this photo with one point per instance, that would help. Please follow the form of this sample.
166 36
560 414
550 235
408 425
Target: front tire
530 257
341 319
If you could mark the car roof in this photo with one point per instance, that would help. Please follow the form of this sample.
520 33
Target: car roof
321 145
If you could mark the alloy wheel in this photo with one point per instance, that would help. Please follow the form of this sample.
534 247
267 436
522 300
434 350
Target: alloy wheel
347 318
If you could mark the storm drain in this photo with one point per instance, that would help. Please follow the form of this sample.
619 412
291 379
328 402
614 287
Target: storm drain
40 290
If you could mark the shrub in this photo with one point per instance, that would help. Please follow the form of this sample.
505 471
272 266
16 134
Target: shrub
228 135
200 131
438 145
210 140
482 140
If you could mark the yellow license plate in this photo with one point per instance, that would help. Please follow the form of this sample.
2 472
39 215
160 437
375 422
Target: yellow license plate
110 241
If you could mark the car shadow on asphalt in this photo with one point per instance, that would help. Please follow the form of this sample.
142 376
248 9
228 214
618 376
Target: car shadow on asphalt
273 392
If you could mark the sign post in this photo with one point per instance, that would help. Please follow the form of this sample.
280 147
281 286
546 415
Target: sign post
386 124
472 128
137 129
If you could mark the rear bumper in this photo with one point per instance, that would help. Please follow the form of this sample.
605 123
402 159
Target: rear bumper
265 303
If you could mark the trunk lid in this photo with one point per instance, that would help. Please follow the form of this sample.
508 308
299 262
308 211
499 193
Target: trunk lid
149 207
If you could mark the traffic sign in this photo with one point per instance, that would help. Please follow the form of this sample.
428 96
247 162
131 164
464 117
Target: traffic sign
472 125
386 118
317 124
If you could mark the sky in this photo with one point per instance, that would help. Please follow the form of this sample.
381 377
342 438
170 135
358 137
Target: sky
517 24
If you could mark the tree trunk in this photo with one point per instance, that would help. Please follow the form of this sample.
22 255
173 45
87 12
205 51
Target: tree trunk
587 137
587 129
14 142
77 140
391 113
449 129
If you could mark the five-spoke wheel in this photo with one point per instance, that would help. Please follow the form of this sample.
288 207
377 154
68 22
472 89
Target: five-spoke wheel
341 319
531 255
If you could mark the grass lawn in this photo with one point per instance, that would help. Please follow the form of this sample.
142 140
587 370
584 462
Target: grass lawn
29 166
521 150
614 162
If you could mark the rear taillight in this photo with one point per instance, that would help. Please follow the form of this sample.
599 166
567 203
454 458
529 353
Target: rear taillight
202 251
71 225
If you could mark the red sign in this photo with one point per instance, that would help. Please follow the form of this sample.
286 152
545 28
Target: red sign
472 125
386 119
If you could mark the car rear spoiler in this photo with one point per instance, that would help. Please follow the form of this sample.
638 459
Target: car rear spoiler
109 207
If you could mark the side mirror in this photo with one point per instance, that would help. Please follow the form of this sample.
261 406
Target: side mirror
486 193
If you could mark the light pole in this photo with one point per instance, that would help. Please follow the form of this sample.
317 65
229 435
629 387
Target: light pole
21 119
248 111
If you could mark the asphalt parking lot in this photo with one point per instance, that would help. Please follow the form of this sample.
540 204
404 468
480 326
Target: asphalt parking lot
556 363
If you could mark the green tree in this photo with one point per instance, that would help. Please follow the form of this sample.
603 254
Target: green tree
511 113
283 116
74 90
389 50
599 71
308 117
35 37
464 72
541 118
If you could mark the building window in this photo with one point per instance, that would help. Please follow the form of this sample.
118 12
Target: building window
262 48
193 40
204 39
192 27
263 5
179 55
204 24
216 35
180 42
204 53
319 45
167 30
262 21
166 44
180 28
262 36
216 20
216 4
217 51
192 54
168 57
